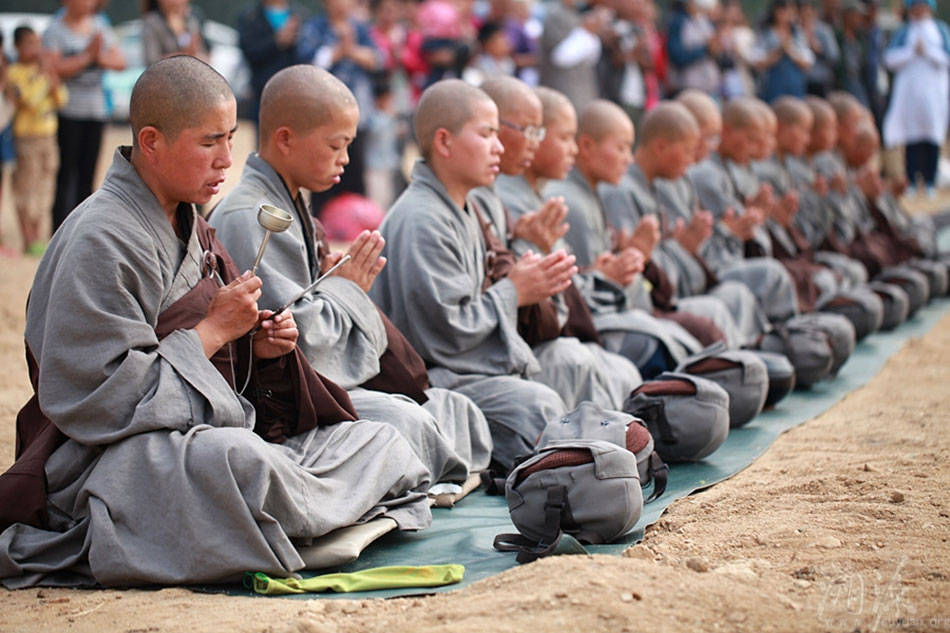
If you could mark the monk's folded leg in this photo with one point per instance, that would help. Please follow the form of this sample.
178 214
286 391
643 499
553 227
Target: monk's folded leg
517 410
463 424
417 426
212 503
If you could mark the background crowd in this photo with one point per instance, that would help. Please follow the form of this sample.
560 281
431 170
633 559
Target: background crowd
633 52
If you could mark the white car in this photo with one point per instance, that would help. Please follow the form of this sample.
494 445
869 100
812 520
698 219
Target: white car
222 40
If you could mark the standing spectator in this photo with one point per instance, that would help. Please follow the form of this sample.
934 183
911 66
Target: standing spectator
627 74
875 77
342 45
84 48
401 50
919 56
570 49
385 135
523 31
447 38
852 42
495 58
738 42
171 27
694 46
6 129
782 55
268 32
37 94
823 45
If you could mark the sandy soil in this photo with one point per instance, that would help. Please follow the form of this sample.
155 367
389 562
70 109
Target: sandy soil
841 526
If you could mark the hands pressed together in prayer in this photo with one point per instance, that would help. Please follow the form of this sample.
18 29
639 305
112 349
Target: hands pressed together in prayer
543 227
365 263
644 238
785 208
622 267
233 313
536 278
743 225
691 236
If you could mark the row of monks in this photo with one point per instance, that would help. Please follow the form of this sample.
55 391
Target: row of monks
181 431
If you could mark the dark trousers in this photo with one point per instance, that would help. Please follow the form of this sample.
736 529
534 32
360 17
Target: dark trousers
79 143
922 158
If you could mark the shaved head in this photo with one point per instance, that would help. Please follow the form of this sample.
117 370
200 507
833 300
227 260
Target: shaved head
822 111
553 103
510 94
447 104
701 105
174 94
302 97
602 118
791 111
844 104
669 120
743 112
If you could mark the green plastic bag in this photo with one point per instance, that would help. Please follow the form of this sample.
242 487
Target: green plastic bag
366 580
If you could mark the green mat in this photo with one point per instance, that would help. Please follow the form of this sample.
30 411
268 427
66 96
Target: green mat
464 534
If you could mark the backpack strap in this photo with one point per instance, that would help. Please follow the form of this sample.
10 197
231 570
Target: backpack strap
654 414
557 515
659 472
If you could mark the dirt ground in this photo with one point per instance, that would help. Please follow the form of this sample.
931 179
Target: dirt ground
842 525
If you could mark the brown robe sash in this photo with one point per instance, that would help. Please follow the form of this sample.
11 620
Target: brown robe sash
539 322
289 396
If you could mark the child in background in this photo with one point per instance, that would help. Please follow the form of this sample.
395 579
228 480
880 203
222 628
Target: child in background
495 59
6 129
385 133
37 94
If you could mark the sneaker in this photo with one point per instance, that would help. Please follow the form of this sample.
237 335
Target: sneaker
931 193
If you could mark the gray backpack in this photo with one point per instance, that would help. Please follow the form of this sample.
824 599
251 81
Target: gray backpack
687 416
936 274
741 373
840 333
781 376
570 491
859 305
896 303
806 348
591 422
911 281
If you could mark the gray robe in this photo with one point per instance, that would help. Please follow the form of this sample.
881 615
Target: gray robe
162 479
431 289
795 174
707 184
624 317
730 305
848 212
613 376
341 332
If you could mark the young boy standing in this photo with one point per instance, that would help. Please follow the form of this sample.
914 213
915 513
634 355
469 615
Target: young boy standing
37 94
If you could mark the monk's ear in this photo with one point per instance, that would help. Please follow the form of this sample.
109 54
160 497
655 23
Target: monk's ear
283 139
442 143
149 138
585 143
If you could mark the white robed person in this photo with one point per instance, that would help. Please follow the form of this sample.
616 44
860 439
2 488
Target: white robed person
308 117
161 478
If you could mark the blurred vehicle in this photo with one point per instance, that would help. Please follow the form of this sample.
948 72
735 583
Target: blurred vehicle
222 41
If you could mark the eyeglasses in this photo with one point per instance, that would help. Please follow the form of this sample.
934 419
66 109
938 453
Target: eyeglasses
531 132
